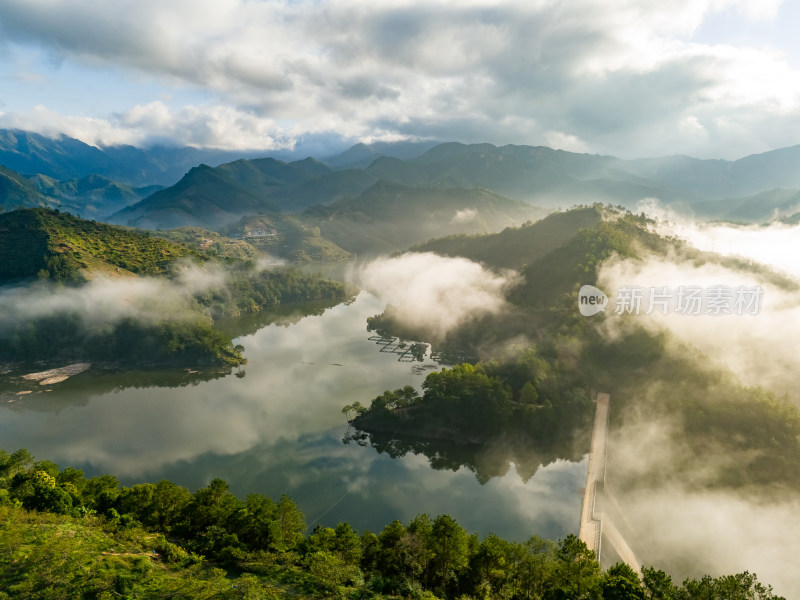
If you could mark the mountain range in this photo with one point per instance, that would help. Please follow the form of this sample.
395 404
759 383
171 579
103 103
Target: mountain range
752 188
162 188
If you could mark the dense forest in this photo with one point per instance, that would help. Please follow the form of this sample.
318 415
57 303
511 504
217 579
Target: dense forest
63 535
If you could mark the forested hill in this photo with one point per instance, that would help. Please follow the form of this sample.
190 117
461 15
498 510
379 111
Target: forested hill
41 250
560 250
515 247
48 244
64 535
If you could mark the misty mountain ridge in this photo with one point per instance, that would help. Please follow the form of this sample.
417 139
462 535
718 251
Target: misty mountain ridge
363 155
534 174
537 175
388 217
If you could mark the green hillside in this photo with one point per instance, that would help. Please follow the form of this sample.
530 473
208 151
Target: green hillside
210 243
16 191
567 267
515 247
205 197
389 217
65 535
288 238
49 244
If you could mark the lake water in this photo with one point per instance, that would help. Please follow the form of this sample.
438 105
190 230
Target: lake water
276 427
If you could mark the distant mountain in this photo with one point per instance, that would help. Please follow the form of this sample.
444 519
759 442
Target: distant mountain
363 155
66 158
17 192
388 217
539 175
718 179
214 197
535 175
49 244
758 208
94 196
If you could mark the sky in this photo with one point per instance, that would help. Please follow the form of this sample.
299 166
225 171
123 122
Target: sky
632 78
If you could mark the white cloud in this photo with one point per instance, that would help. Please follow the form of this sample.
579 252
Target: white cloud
776 245
752 345
586 75
465 215
433 292
103 300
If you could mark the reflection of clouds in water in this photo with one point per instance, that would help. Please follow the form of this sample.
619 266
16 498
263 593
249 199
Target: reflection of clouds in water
279 430
402 488
548 504
135 431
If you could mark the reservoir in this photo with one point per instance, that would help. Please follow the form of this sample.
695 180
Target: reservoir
275 426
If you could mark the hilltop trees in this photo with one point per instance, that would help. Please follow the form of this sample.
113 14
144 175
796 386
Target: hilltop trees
263 544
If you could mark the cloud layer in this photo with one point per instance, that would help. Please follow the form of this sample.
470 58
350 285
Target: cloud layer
626 78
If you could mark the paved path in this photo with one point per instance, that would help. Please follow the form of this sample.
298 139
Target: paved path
594 525
591 530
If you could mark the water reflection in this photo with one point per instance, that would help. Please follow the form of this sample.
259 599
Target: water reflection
493 458
279 429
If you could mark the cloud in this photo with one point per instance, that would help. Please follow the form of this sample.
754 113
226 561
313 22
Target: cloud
104 300
751 345
465 215
680 523
587 76
775 245
432 292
